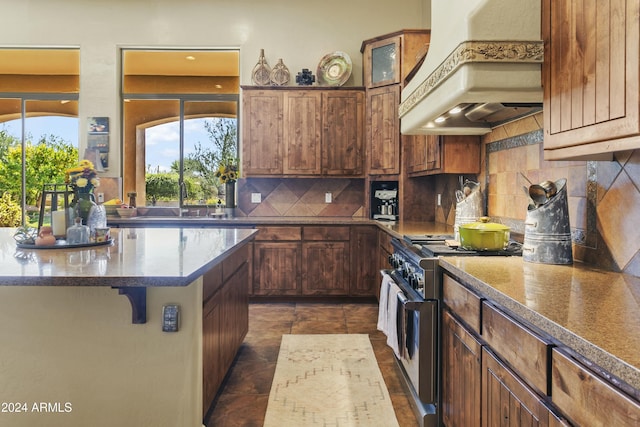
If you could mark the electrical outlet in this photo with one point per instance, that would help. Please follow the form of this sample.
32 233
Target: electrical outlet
327 197
439 199
100 197
256 197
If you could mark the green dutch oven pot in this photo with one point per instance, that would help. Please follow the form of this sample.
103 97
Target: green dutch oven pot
484 235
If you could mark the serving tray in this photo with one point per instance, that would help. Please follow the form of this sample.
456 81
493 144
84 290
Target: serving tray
62 244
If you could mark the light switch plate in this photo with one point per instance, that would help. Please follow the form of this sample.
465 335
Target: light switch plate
256 197
100 197
171 318
327 197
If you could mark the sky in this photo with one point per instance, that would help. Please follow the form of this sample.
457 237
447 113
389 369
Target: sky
162 140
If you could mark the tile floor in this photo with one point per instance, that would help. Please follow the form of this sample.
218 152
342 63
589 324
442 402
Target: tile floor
243 401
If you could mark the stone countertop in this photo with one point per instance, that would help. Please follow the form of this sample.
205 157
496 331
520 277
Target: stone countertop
594 312
137 257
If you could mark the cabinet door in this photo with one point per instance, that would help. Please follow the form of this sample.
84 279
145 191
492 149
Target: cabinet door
590 77
383 130
381 62
262 136
433 161
325 269
415 153
302 133
506 400
365 276
342 130
212 367
461 375
276 268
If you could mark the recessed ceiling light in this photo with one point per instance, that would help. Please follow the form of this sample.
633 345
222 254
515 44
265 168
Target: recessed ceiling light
191 58
440 119
455 110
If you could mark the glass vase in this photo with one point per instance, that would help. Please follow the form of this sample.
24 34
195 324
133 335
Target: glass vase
230 194
84 203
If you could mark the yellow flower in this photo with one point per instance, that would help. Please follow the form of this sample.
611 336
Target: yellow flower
83 177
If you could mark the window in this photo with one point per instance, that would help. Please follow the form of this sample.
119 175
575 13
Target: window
180 112
38 126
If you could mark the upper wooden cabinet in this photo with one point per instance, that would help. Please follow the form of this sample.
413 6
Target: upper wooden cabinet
591 78
436 154
302 132
383 130
388 59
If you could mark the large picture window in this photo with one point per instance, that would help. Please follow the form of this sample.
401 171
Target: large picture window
38 128
180 111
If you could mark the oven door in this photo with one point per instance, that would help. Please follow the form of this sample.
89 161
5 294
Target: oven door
419 340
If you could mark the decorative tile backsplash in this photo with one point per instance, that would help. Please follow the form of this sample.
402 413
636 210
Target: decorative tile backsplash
301 197
603 196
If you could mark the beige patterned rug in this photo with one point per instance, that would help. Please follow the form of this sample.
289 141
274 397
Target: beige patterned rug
330 381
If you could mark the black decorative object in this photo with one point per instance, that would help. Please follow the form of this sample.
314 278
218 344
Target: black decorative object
305 77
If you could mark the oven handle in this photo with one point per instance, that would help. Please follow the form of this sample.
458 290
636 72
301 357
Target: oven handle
409 304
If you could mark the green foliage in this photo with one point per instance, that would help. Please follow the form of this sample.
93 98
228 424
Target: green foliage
10 212
162 186
46 163
223 149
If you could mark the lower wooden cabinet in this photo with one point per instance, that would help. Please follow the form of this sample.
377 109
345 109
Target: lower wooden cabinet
588 400
225 319
506 400
461 374
315 261
363 251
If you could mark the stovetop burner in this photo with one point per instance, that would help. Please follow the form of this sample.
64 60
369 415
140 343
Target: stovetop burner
441 249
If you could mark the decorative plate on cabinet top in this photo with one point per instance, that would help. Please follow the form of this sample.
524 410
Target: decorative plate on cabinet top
334 69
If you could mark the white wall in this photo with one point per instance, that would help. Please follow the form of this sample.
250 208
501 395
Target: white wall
299 32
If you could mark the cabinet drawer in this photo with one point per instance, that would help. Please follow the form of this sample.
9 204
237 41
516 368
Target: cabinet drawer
464 303
233 262
279 233
588 400
326 233
526 352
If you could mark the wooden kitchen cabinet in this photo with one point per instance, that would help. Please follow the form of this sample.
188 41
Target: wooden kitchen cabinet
387 61
343 133
587 399
325 261
461 374
302 133
439 154
506 400
277 260
365 271
225 318
383 130
310 132
591 78
262 132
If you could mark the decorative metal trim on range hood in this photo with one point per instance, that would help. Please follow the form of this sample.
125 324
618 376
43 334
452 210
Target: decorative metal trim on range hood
470 54
476 51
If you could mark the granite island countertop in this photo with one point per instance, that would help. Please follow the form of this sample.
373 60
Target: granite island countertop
137 257
594 312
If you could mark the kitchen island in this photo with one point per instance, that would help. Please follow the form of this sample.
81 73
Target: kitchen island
71 354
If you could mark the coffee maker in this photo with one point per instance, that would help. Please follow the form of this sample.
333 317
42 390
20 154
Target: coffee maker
384 200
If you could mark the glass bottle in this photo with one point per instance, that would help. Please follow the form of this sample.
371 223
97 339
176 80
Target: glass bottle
78 234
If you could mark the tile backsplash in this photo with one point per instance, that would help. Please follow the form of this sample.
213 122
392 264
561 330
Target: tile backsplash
289 197
603 196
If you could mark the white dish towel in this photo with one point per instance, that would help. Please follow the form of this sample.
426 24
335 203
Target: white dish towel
388 313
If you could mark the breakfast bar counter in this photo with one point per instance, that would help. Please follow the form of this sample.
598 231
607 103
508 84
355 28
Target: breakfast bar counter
71 355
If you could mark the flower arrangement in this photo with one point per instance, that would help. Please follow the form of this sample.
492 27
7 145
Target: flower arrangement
228 171
83 177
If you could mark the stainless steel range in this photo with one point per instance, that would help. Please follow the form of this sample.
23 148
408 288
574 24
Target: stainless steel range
415 272
417 326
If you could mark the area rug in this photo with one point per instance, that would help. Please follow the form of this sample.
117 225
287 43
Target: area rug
330 381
